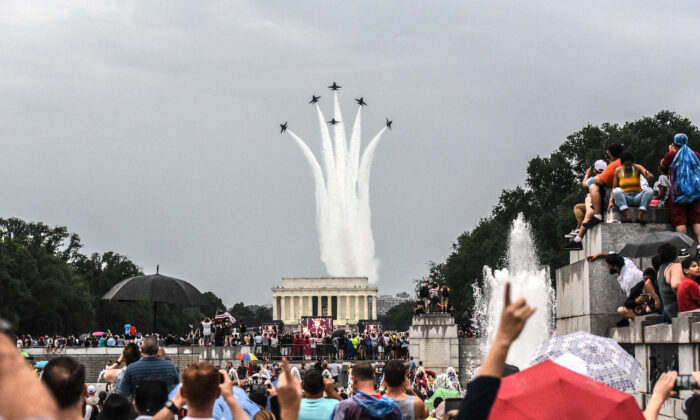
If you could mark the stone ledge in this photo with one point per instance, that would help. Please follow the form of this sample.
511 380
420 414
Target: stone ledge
634 333
613 236
682 325
654 215
660 333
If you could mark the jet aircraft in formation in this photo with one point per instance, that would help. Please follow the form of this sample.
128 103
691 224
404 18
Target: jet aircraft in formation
388 124
314 99
333 121
283 127
361 101
334 86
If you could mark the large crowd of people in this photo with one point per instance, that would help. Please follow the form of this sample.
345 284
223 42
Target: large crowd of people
150 386
144 383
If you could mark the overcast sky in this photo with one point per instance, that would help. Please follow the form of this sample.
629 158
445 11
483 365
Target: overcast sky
150 128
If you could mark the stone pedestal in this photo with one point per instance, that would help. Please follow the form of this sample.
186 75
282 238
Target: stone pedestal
587 295
434 341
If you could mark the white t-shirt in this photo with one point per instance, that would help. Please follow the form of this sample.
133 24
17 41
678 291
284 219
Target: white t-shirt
629 276
206 328
88 412
663 182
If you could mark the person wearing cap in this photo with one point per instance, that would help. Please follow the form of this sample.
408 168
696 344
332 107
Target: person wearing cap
602 185
681 211
91 390
584 211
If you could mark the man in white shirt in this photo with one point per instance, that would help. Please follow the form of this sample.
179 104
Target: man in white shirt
206 331
628 277
334 369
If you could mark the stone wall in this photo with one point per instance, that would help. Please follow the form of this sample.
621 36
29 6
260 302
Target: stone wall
433 340
659 347
96 359
587 295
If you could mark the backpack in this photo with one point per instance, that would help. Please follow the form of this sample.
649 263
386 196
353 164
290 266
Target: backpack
686 174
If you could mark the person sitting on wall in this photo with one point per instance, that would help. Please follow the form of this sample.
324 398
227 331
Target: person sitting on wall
584 211
602 185
628 277
628 190
689 291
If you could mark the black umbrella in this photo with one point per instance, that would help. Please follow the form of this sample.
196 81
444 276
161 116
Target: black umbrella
339 333
648 244
155 288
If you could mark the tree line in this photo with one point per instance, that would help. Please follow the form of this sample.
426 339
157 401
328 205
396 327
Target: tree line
47 286
551 190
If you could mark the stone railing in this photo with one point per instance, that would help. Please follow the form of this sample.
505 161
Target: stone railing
660 347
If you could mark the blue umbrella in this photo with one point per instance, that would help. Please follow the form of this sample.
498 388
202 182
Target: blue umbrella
41 365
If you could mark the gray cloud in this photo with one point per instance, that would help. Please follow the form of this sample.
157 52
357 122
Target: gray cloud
150 128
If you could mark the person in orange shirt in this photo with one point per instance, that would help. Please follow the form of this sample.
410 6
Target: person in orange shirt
602 184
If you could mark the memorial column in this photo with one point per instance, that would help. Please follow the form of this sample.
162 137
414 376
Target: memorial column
374 307
357 308
274 308
345 306
366 307
283 306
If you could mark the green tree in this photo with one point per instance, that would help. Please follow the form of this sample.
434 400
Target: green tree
48 286
398 317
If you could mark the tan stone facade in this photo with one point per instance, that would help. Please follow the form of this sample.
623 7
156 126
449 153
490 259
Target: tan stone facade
346 299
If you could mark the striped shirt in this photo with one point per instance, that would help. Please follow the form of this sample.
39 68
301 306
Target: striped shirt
146 367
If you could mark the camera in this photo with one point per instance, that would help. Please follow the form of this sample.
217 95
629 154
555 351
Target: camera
258 388
685 382
452 403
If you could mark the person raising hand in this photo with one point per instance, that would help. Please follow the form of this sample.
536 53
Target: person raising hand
482 391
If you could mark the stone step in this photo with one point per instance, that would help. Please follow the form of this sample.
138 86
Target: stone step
612 236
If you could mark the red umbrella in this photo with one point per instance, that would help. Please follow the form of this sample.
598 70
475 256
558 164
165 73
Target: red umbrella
550 391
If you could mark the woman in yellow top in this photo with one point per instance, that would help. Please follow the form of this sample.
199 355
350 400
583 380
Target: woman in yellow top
627 188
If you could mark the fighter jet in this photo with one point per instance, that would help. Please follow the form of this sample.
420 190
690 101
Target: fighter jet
334 86
314 99
333 122
388 124
361 101
283 127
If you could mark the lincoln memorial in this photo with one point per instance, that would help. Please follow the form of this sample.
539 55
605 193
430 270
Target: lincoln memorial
346 299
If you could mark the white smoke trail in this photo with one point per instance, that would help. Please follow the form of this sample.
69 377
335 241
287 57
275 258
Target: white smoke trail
328 257
342 197
364 213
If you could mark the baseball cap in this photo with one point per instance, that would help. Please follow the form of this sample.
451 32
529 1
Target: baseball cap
600 165
91 389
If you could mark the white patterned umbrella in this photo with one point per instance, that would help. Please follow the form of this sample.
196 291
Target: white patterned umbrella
605 360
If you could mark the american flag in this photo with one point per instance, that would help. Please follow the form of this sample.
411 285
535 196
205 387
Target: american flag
224 315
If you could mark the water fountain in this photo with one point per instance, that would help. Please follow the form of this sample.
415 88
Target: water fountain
527 280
